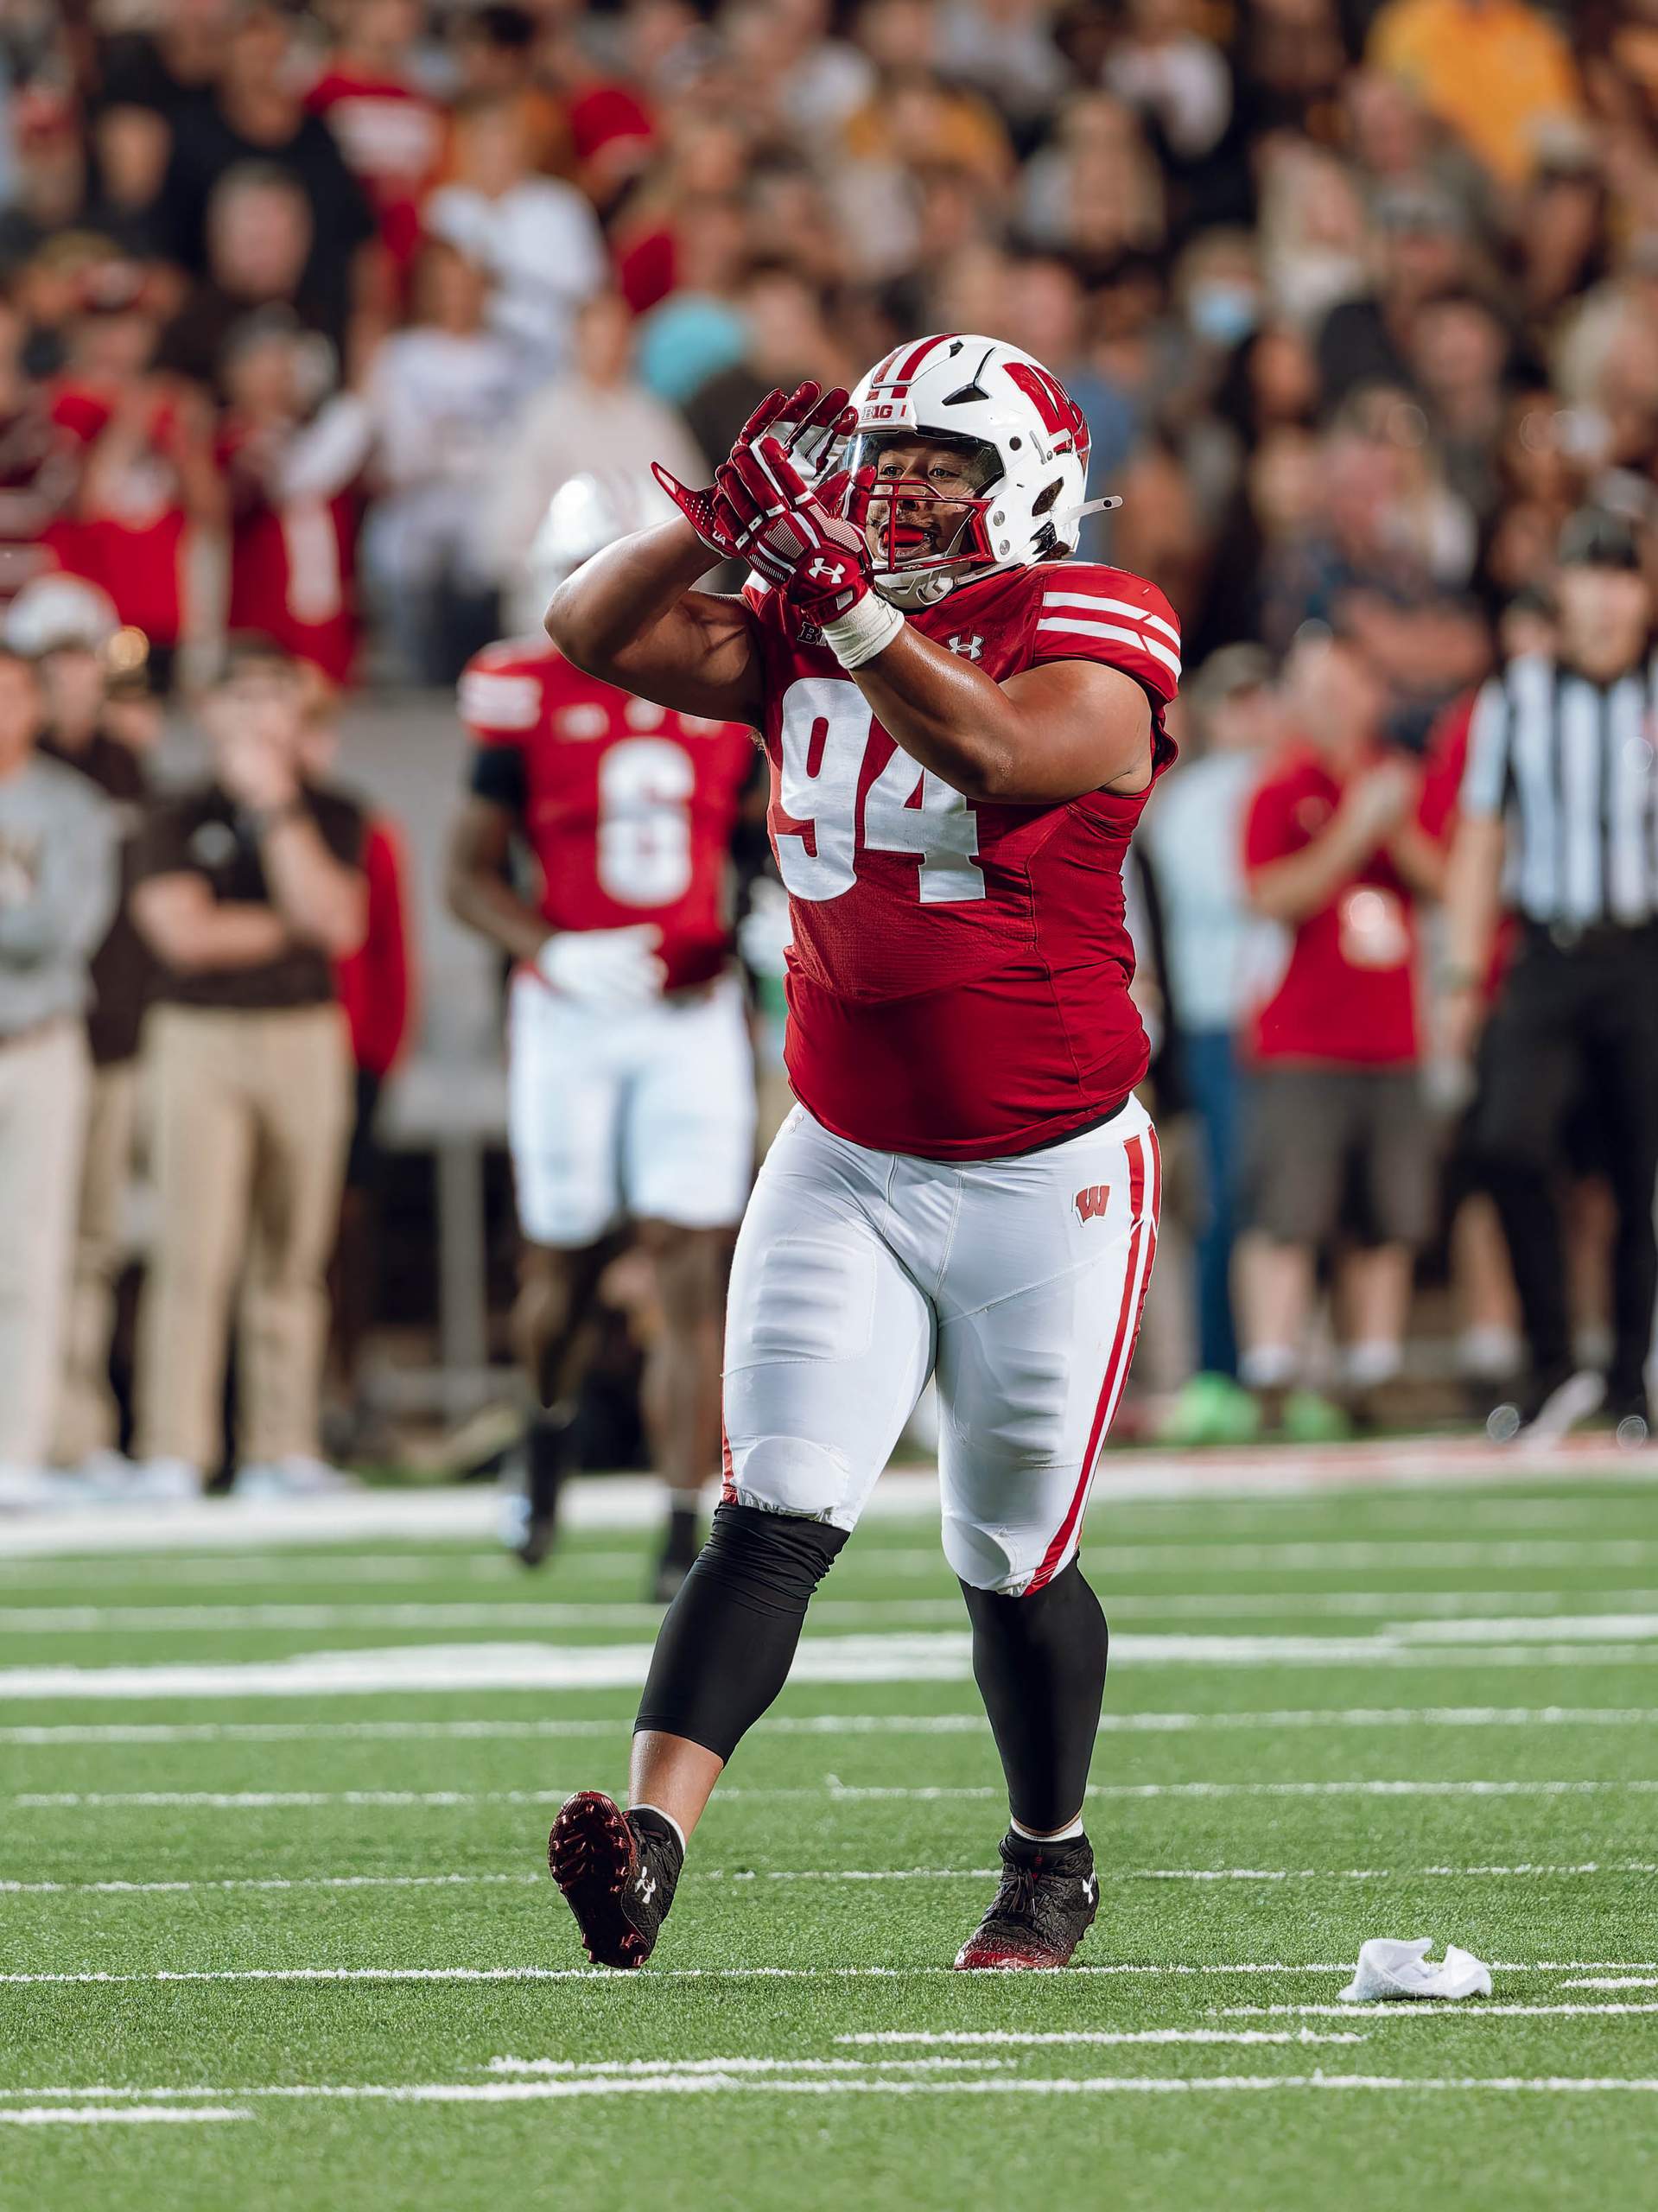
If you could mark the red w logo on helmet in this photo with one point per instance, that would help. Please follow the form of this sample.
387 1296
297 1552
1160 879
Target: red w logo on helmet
1091 1203
1057 412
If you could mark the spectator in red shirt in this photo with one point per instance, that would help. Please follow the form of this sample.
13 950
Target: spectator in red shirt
146 473
295 472
389 132
1337 848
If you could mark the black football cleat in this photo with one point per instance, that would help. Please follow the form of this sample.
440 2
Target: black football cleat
618 1872
1042 1911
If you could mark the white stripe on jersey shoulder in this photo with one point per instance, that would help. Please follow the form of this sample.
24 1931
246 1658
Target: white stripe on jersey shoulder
1114 631
1111 607
495 700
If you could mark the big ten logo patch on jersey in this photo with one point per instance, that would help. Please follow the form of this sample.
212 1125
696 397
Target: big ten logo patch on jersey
1092 1201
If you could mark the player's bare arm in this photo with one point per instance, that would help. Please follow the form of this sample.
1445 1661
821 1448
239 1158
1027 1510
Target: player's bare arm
1047 735
478 882
631 616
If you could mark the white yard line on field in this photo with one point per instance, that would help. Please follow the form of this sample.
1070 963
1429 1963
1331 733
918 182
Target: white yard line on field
1465 1614
942 1657
129 1620
1013 2039
49 1735
1449 1466
1477 2009
1614 1981
281 1882
835 1791
106 2115
868 2083
662 1977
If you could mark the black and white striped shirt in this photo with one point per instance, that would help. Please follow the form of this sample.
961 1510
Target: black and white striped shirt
1570 765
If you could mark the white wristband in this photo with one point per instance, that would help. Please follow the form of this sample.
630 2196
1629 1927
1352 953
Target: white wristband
867 630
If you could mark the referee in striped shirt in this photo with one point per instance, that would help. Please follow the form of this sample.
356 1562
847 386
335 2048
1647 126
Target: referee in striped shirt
1559 825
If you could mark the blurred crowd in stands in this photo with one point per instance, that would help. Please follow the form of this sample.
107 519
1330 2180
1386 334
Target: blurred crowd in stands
306 312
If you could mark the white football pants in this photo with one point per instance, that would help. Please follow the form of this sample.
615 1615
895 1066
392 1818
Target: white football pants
646 1112
1018 1283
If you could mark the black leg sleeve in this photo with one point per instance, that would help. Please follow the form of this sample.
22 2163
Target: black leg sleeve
725 1650
1039 1662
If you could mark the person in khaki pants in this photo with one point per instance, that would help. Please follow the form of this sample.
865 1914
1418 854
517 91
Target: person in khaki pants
57 890
248 887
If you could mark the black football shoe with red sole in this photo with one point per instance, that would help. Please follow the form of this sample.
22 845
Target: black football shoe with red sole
1043 1908
618 1872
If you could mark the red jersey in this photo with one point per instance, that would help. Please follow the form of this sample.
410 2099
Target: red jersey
1347 996
958 985
292 565
137 546
628 808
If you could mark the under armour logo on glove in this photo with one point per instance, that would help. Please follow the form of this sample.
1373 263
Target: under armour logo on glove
828 572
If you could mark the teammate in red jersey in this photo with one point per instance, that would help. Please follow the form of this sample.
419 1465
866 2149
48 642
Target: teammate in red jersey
963 726
632 1084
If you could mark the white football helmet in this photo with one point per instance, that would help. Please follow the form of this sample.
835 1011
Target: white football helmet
1023 446
586 514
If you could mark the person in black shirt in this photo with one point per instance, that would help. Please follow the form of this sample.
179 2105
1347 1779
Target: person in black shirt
254 115
1559 822
250 887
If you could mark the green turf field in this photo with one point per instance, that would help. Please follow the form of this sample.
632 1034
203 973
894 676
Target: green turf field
274 1937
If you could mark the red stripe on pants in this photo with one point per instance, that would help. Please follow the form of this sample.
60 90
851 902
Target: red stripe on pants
1122 1344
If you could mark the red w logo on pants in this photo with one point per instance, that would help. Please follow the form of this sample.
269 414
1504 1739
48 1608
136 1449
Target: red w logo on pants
1091 1203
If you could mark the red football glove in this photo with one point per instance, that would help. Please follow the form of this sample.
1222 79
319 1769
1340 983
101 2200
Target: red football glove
788 531
729 529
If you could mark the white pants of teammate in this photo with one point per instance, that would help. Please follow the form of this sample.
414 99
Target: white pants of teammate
1018 1283
646 1113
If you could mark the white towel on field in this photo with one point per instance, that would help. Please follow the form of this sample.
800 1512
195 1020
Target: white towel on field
1388 1969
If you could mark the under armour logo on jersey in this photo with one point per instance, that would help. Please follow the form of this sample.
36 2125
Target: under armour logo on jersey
1090 1204
822 571
968 648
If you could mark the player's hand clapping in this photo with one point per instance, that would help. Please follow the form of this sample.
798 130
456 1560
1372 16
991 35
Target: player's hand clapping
762 508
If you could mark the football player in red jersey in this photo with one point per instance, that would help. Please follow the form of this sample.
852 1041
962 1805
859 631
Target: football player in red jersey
963 726
631 1078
